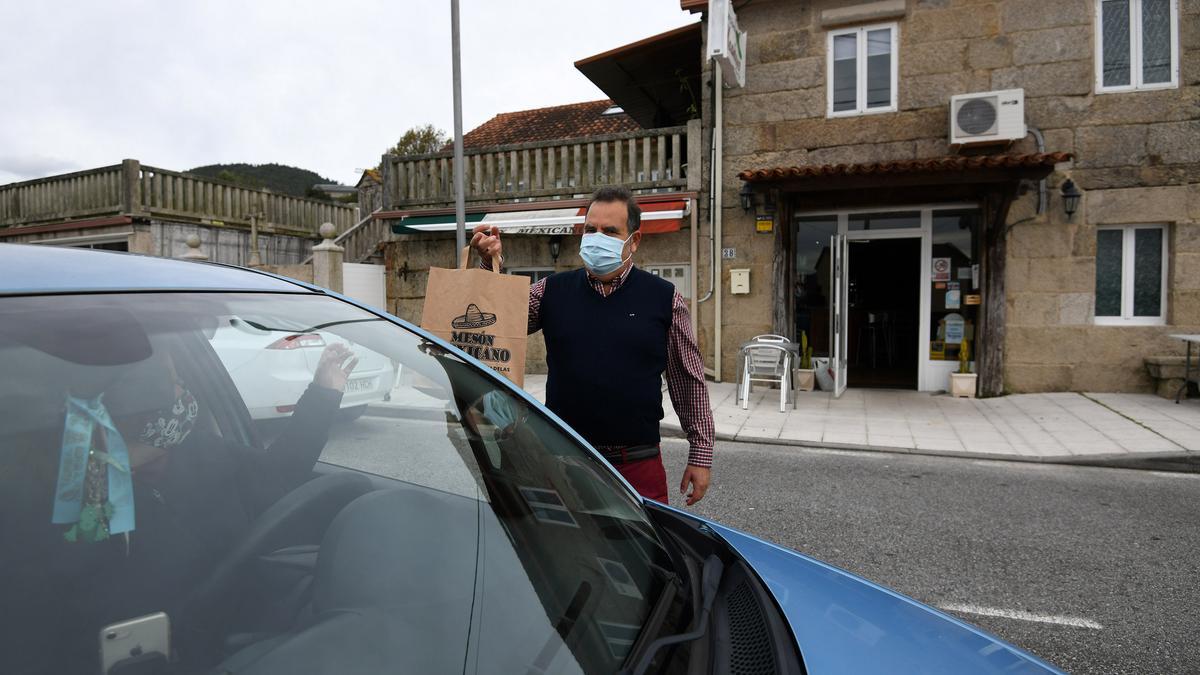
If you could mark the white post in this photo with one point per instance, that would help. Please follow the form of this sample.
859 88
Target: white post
327 260
255 258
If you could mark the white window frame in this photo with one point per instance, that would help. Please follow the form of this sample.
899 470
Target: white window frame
860 74
1127 279
1135 48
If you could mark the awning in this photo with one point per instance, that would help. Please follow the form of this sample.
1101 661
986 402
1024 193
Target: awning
655 80
658 216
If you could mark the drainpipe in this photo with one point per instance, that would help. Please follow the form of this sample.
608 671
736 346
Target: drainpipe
714 211
718 189
712 157
692 249
1041 146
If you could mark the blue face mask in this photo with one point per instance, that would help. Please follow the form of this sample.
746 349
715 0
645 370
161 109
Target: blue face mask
601 253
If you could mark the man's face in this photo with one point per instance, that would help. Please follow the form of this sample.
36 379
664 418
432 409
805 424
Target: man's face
611 219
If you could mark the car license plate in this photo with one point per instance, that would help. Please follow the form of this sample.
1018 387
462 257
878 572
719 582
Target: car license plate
361 384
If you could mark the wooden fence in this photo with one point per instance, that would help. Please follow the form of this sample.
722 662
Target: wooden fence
133 189
640 160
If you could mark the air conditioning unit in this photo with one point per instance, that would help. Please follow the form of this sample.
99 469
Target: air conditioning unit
987 117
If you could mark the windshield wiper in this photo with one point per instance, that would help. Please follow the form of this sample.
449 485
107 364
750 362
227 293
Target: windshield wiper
710 580
322 326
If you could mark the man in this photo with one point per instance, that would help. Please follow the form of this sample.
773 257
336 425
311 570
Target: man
611 332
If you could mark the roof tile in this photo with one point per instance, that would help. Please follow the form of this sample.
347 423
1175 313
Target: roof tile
555 123
933 165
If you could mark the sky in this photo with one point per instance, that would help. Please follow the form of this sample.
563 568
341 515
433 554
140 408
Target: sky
325 86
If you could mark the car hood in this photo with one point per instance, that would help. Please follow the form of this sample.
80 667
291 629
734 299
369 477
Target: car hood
846 624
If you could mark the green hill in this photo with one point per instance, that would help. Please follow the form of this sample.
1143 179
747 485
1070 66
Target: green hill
275 177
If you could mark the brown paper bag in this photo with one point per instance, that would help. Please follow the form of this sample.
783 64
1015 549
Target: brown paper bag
485 314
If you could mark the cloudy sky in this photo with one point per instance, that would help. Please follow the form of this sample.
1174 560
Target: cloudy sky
326 86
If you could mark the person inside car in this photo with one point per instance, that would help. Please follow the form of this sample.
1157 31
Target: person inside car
146 498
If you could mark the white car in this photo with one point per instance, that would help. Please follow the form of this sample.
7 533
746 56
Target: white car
272 368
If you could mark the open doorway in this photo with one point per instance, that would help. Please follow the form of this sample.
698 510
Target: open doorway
884 314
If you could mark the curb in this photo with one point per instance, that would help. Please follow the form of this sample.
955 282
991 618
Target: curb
1183 461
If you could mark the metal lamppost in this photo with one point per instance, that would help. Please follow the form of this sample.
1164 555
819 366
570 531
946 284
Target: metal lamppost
460 217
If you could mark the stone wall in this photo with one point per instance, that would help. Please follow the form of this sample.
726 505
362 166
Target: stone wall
298 272
409 258
1137 160
225 244
1052 342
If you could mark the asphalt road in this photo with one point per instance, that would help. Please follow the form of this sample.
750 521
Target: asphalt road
1095 570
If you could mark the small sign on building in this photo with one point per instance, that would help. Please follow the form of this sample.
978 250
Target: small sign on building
941 269
764 223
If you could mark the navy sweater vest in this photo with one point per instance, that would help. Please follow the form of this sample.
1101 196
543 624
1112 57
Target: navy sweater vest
606 356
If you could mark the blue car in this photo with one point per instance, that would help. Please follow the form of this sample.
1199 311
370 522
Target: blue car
149 524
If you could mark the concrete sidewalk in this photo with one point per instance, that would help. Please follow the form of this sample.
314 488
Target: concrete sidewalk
1054 427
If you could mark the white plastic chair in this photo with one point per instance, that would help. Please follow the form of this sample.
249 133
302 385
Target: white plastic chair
767 362
769 337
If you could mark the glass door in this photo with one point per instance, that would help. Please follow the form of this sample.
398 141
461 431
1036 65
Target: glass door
936 323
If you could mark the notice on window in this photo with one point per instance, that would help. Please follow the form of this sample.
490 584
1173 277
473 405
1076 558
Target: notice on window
955 329
953 299
941 269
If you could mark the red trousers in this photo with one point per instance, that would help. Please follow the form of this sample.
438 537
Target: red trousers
647 476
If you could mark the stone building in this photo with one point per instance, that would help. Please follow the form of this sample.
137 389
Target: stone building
843 127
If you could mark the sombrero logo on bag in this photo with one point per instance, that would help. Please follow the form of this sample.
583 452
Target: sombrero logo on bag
480 345
473 318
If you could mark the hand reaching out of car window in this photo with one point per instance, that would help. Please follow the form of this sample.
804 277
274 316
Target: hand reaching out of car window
335 366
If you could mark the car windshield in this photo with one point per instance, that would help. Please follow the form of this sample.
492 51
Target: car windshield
274 483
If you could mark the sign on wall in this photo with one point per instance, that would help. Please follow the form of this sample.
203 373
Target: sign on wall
727 42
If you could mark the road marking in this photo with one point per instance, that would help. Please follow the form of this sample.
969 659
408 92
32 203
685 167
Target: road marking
1019 615
1174 474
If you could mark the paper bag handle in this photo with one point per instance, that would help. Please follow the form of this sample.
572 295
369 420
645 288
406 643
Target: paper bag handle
466 256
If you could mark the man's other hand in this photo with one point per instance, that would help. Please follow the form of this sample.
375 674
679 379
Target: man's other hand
485 239
698 477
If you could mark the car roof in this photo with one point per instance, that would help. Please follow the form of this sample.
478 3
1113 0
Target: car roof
36 269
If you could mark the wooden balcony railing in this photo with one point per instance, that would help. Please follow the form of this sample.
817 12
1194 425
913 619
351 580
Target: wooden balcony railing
640 160
133 189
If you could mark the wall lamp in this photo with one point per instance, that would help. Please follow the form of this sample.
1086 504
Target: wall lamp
1070 197
748 197
555 247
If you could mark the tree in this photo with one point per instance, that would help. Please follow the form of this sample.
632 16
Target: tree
420 140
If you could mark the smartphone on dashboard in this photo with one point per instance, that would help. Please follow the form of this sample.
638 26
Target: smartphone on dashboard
133 638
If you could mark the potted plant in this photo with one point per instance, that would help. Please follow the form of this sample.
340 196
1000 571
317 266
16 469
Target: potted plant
962 383
806 375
